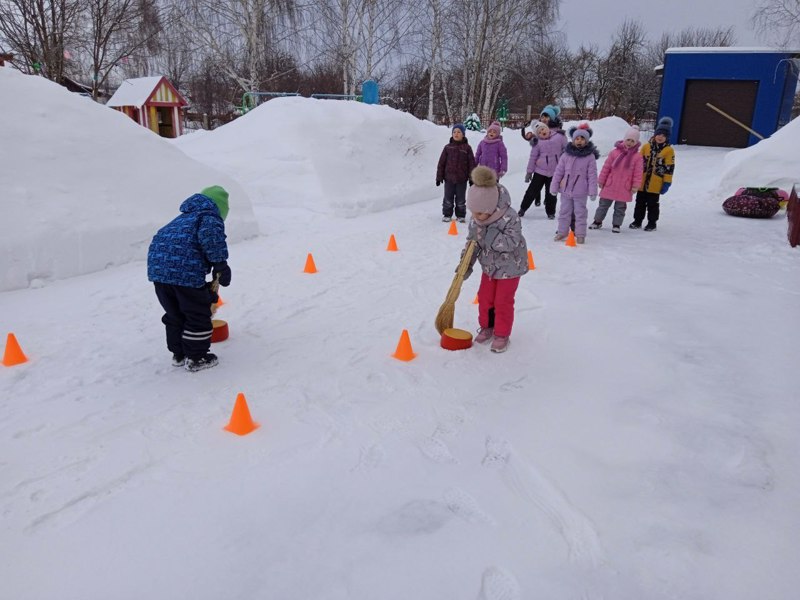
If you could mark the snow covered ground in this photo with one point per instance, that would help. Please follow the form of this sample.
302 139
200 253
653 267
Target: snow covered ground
638 440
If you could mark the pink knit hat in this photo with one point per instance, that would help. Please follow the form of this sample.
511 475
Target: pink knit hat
482 197
496 127
632 134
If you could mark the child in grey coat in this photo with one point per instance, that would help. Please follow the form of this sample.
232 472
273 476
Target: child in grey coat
502 253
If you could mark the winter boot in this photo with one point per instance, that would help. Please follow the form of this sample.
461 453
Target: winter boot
560 236
520 213
615 229
204 362
551 217
537 202
650 227
462 220
178 360
596 225
447 219
500 344
635 225
580 239
484 335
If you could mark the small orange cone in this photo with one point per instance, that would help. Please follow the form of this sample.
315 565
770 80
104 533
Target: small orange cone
404 350
531 265
476 301
13 354
392 247
571 239
219 301
453 229
241 422
310 266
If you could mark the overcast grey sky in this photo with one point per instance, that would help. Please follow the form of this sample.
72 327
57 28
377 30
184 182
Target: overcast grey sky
596 20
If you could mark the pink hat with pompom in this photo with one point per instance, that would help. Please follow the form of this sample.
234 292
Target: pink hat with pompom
632 133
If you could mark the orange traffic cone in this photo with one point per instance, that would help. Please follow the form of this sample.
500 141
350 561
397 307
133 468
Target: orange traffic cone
476 301
404 350
571 239
13 354
392 247
453 229
310 266
531 265
241 422
219 300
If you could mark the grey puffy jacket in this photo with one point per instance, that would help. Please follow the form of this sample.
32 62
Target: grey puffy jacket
501 247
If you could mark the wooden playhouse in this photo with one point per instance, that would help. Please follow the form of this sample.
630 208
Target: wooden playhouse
153 102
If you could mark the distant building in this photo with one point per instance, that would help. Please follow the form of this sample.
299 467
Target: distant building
153 102
754 86
4 57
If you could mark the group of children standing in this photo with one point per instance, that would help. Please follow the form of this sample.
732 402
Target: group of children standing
567 166
558 166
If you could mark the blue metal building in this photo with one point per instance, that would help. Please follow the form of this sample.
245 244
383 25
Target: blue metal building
755 86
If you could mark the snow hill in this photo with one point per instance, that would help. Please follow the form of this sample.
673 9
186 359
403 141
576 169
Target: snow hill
773 162
85 187
341 158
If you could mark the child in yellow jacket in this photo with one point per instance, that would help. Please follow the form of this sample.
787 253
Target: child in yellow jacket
659 166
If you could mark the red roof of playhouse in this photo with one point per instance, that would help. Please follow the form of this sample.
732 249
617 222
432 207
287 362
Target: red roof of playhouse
146 90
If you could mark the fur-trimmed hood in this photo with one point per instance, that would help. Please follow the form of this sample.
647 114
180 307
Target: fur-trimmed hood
588 149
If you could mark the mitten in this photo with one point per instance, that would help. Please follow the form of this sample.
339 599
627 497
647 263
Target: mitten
470 183
528 177
592 198
223 271
665 188
438 182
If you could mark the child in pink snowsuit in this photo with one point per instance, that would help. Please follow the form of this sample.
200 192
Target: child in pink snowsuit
619 179
576 179
492 151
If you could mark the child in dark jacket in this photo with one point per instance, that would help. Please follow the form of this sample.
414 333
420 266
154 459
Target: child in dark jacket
492 151
455 165
576 179
180 256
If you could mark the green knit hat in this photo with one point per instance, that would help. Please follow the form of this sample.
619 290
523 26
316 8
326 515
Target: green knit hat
218 196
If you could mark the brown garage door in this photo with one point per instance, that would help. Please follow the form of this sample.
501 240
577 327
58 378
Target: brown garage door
702 126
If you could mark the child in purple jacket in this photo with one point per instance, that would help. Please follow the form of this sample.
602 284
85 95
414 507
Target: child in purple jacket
576 179
455 165
547 146
492 151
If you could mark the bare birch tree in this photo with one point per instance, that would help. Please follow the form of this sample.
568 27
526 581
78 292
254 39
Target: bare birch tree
115 33
778 20
238 35
40 31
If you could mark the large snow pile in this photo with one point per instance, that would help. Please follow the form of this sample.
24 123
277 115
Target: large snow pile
325 155
84 187
344 158
773 162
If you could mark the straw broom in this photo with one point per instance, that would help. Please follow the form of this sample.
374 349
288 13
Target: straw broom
444 318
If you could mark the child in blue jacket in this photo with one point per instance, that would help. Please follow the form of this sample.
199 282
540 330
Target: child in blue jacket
180 256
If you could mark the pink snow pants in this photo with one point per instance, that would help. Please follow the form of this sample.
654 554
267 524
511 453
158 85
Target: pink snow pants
497 294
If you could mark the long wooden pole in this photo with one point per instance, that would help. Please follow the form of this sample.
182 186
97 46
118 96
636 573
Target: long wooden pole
739 123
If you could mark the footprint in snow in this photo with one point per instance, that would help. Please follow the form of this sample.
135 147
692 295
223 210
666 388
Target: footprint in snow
499 584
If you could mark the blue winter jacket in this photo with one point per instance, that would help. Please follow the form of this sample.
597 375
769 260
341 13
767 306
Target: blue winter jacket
182 251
